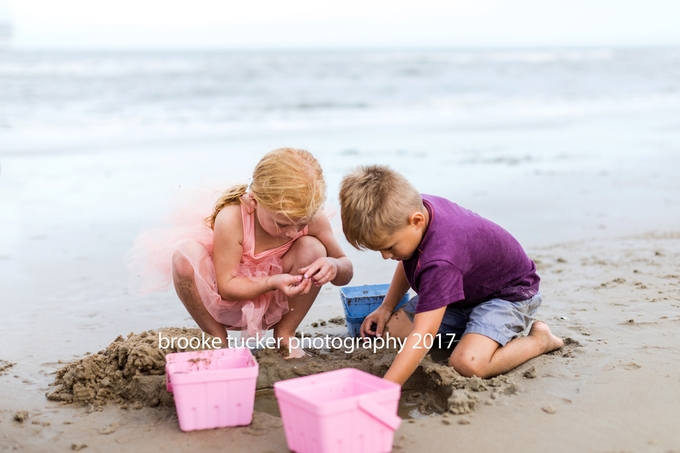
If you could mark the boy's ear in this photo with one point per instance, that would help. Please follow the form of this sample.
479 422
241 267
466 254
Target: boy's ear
416 219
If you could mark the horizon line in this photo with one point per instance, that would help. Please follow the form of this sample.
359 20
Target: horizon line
331 48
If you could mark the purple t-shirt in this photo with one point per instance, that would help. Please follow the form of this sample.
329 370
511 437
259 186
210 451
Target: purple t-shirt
464 259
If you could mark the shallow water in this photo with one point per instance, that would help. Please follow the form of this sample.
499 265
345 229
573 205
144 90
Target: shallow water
52 101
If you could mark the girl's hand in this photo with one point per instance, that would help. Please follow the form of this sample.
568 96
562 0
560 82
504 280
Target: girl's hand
321 271
374 324
290 285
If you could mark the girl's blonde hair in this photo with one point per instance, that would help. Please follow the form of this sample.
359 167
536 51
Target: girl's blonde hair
286 181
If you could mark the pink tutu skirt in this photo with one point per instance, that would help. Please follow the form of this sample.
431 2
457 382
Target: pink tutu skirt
150 265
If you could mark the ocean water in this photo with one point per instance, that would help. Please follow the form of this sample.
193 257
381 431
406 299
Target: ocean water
55 102
553 144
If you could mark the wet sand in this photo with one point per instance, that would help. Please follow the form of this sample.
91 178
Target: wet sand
604 233
613 387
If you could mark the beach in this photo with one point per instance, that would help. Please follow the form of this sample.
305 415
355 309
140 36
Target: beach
587 183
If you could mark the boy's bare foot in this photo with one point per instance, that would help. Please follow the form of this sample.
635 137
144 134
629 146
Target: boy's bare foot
541 331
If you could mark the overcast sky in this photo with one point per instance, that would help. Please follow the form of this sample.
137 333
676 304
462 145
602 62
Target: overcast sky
274 24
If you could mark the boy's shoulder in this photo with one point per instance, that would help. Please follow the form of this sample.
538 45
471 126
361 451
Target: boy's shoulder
437 202
442 217
434 198
444 213
453 227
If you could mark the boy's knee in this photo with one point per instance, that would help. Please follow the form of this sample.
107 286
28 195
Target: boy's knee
468 365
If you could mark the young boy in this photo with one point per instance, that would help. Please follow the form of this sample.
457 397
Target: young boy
474 281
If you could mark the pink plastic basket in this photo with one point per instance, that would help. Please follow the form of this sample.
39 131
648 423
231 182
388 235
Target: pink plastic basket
339 411
212 389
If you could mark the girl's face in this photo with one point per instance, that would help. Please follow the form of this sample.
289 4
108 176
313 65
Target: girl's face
278 225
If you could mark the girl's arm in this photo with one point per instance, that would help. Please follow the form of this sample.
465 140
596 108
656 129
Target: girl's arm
425 327
227 253
335 267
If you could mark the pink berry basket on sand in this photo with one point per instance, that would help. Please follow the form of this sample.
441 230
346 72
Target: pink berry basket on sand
341 411
212 388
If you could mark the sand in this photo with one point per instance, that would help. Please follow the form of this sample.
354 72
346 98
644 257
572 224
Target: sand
131 372
604 233
614 386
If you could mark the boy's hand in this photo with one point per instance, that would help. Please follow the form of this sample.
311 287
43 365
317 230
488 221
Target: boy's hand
374 324
290 285
321 271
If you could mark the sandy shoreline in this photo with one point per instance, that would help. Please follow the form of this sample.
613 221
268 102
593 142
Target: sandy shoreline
614 388
68 219
574 151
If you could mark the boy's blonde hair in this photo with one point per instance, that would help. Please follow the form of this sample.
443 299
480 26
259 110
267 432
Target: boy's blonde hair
286 181
375 202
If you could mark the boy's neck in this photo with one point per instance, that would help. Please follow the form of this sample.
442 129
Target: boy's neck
426 214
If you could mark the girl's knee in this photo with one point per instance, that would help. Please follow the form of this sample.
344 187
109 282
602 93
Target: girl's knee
181 266
312 247
188 253
304 251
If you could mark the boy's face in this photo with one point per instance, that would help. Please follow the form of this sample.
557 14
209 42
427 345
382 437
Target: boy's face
404 242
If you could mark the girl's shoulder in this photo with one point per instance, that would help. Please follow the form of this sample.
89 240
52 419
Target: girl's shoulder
229 219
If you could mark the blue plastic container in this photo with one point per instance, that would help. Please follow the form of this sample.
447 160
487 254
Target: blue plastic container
360 301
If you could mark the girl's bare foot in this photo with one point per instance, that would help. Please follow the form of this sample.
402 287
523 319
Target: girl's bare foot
291 349
541 331
295 353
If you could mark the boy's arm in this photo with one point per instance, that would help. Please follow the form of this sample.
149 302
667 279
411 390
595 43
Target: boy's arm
425 327
382 314
397 289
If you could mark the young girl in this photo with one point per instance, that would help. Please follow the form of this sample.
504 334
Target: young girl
258 261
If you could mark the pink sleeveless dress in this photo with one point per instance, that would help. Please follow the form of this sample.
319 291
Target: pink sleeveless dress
150 266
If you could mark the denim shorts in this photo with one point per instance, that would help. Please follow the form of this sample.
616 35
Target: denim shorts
498 319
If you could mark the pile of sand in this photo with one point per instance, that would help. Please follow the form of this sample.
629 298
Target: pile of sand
132 371
129 370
